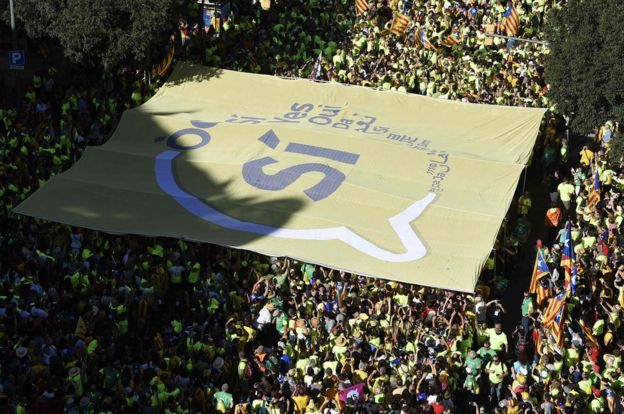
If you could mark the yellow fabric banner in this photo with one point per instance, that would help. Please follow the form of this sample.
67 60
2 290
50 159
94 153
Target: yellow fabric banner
383 184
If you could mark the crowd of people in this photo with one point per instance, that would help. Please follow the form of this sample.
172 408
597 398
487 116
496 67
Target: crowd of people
92 322
362 50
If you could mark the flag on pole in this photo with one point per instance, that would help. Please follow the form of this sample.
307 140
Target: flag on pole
425 41
164 66
586 334
543 292
456 9
594 195
555 305
540 269
537 340
316 71
361 6
451 40
511 23
556 328
399 24
568 261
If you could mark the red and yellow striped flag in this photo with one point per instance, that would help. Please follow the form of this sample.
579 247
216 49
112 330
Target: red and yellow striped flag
361 6
594 195
540 269
556 328
163 66
543 293
556 304
587 334
399 24
512 21
452 39
424 40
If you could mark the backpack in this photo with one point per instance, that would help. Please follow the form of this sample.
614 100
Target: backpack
263 409
248 372
522 344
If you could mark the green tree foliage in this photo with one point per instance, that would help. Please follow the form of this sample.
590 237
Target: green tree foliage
103 32
584 69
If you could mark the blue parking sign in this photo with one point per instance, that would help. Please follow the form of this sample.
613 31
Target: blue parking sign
17 59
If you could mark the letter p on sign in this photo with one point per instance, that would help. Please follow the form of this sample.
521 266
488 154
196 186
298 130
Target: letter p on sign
17 59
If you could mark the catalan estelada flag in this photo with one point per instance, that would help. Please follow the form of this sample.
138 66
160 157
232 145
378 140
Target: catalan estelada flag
586 334
164 66
543 292
540 269
552 310
361 6
594 195
316 71
556 328
399 24
512 21
425 41
568 261
452 40
537 340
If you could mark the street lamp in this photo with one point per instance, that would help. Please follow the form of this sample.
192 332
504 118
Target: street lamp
13 38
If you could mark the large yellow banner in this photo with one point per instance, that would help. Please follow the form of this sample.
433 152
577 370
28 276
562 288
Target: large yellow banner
383 184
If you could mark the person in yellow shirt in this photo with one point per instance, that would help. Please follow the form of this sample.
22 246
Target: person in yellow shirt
497 371
587 156
566 189
498 338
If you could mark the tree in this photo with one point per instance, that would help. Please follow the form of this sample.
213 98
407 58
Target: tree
584 69
103 32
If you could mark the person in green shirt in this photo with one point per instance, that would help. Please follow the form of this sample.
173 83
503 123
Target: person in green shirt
473 362
527 308
486 353
223 399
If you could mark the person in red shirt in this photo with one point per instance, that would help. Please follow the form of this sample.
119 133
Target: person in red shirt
438 408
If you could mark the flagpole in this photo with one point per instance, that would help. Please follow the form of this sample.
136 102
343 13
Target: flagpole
541 42
526 167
